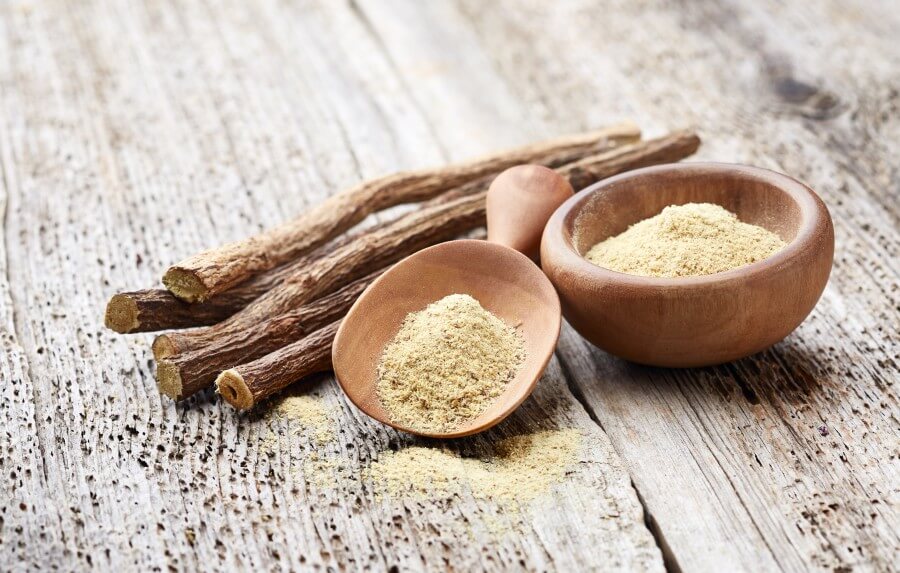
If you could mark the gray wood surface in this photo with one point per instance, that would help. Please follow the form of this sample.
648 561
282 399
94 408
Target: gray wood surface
134 134
789 460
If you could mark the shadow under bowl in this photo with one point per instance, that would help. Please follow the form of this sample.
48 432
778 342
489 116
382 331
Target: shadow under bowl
699 320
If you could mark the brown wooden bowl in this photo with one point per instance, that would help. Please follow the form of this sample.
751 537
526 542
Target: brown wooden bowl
690 321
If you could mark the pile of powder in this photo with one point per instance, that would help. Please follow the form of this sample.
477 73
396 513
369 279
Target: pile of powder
522 468
686 240
447 364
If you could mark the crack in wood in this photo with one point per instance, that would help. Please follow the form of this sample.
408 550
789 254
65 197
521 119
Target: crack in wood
670 560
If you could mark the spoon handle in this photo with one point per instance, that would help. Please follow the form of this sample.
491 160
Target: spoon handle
520 201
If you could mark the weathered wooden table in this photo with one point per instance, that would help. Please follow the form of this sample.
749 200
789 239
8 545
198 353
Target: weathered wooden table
133 134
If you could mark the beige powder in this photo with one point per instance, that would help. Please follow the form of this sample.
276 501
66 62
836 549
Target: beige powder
324 471
447 364
311 415
521 469
686 240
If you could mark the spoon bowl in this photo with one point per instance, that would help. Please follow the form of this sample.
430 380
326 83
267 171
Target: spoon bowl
506 283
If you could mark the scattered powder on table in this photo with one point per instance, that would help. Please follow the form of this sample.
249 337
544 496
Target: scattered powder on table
686 240
447 364
325 471
521 469
311 415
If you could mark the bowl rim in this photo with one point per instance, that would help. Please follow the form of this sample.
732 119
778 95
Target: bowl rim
813 215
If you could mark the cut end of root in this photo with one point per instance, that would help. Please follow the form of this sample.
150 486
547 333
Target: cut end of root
230 384
163 347
185 284
626 131
168 380
122 314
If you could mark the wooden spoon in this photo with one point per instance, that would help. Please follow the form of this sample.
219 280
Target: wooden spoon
505 281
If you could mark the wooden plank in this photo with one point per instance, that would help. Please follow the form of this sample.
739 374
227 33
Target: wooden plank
134 134
790 459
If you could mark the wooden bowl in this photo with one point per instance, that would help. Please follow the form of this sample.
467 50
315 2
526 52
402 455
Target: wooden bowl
690 321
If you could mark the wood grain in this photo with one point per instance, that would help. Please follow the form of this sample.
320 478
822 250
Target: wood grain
131 136
134 135
787 460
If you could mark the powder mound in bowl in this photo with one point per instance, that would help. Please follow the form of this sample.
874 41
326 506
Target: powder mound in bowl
447 364
686 240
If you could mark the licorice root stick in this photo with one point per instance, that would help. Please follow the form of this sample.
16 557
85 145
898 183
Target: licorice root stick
206 274
247 384
151 310
189 372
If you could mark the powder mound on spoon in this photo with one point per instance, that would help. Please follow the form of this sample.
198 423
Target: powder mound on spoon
447 364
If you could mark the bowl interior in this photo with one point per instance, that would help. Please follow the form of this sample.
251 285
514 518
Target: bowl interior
752 194
505 282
